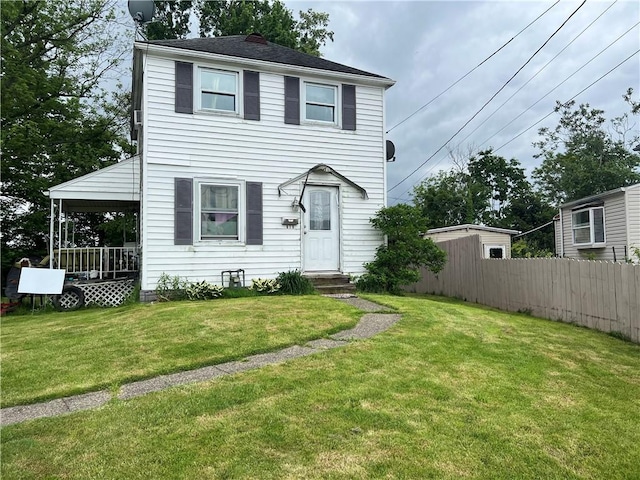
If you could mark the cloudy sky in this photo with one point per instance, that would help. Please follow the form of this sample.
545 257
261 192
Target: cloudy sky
425 46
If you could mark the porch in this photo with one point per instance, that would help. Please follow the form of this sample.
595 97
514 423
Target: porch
114 189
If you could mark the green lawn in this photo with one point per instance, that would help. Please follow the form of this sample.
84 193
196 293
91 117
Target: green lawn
58 354
451 391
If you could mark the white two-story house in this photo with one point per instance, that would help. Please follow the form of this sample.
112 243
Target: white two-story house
257 157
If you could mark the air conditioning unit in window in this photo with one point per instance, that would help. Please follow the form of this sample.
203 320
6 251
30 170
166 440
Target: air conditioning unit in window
137 118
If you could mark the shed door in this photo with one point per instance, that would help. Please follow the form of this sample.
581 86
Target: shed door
321 230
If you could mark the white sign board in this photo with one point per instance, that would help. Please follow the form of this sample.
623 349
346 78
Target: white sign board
41 281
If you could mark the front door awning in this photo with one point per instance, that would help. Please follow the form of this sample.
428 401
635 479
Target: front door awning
321 167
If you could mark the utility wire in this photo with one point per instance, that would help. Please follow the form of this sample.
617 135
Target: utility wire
572 98
544 96
492 97
553 111
561 83
540 71
533 230
472 70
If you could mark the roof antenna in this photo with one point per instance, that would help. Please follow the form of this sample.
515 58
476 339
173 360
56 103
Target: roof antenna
142 12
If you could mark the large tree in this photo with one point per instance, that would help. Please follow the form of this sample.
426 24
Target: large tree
272 19
486 189
57 121
582 157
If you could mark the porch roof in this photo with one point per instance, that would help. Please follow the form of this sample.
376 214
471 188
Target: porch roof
114 188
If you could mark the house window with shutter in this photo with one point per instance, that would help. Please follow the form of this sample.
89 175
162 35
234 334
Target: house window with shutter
217 210
587 225
320 103
218 90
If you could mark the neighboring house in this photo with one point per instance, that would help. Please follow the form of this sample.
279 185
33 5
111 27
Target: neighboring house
602 227
496 242
251 156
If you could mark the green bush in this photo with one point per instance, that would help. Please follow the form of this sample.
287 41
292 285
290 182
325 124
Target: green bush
203 291
171 287
238 293
398 263
293 283
265 285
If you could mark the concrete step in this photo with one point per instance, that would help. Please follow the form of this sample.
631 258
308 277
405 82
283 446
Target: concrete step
319 279
341 288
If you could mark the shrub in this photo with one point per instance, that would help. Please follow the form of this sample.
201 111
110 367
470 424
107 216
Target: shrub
203 291
399 262
238 293
171 287
264 285
293 283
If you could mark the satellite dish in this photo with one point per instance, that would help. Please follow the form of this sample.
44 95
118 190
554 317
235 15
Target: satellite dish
391 151
141 10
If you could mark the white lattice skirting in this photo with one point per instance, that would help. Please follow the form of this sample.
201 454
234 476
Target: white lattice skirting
107 294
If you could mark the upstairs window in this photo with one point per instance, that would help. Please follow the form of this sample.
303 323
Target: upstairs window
588 227
218 90
320 103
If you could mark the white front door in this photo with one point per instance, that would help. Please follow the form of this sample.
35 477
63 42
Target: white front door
321 229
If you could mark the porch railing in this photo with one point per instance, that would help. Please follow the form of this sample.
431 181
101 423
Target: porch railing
97 262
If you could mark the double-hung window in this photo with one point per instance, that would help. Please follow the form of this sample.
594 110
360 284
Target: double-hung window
588 227
220 211
218 90
320 103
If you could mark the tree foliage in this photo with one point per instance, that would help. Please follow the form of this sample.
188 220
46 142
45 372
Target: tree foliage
486 189
56 123
581 157
272 19
398 262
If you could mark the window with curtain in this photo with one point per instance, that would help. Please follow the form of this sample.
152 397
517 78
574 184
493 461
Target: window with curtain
219 211
218 90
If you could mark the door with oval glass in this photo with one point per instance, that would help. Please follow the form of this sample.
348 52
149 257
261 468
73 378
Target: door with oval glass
321 229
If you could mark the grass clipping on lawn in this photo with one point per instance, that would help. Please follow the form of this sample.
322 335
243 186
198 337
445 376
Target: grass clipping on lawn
58 354
452 391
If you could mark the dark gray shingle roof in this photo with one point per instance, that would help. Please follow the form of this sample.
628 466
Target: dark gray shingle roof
236 46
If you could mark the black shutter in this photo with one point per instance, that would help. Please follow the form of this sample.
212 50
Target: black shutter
251 95
348 107
184 87
183 211
292 100
254 213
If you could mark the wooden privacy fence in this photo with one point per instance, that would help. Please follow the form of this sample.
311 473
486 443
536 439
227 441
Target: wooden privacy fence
600 295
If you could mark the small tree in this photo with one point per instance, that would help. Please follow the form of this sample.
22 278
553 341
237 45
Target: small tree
398 262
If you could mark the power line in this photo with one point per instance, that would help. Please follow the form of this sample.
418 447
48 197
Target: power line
544 96
572 98
472 70
561 83
532 230
492 97
540 71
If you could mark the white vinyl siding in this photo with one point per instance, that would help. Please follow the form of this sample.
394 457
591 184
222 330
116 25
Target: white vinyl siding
202 146
115 182
615 228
